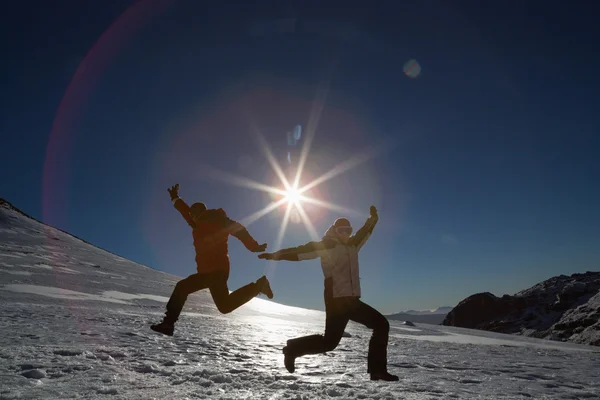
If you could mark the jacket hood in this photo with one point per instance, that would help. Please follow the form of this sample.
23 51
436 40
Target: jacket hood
331 233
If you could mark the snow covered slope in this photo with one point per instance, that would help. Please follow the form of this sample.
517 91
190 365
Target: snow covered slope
74 324
565 308
38 259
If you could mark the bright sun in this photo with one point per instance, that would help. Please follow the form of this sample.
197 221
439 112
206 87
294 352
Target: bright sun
292 195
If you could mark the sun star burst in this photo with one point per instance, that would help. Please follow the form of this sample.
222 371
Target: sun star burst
291 194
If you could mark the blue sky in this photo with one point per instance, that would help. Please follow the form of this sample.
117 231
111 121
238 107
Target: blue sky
491 183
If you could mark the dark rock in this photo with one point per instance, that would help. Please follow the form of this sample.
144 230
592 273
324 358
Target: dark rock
556 309
482 308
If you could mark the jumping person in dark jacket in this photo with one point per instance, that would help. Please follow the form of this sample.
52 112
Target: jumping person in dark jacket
338 251
211 230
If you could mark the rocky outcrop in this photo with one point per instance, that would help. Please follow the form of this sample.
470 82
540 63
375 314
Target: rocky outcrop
565 308
481 308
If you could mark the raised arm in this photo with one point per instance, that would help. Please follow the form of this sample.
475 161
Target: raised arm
180 205
241 233
308 251
362 235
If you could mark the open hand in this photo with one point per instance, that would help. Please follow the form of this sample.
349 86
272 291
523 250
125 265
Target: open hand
174 191
260 248
266 256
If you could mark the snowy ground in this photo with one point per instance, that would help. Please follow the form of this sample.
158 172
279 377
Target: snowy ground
74 324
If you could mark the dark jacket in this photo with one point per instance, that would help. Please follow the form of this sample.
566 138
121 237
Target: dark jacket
211 232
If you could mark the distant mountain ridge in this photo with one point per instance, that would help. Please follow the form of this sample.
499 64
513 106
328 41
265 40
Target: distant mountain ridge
564 308
433 317
439 310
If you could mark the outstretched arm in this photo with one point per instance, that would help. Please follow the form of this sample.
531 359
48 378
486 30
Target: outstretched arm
241 233
362 235
308 251
180 205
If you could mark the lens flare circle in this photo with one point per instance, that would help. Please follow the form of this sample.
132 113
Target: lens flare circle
412 68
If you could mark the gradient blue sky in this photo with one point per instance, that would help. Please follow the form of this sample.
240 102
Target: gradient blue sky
492 182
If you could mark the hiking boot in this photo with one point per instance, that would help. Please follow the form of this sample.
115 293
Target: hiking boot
165 328
264 286
289 360
383 376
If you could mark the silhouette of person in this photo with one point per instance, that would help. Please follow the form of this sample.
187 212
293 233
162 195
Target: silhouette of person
211 230
338 251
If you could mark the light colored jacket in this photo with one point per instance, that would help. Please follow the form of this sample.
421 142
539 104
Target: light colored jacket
339 261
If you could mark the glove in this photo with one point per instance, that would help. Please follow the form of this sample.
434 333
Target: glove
373 212
260 248
267 256
174 191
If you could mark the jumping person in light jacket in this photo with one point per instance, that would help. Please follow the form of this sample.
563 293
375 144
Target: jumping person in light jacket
338 251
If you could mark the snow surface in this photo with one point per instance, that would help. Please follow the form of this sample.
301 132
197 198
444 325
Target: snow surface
74 324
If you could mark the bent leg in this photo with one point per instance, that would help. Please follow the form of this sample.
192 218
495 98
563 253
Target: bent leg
316 344
227 302
373 319
182 290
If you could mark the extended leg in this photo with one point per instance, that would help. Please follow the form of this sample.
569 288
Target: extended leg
315 344
182 290
377 358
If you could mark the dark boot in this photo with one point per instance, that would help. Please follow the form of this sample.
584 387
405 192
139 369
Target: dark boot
264 286
165 327
289 360
383 376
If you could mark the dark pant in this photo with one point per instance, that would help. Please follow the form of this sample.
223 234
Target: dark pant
216 282
338 312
